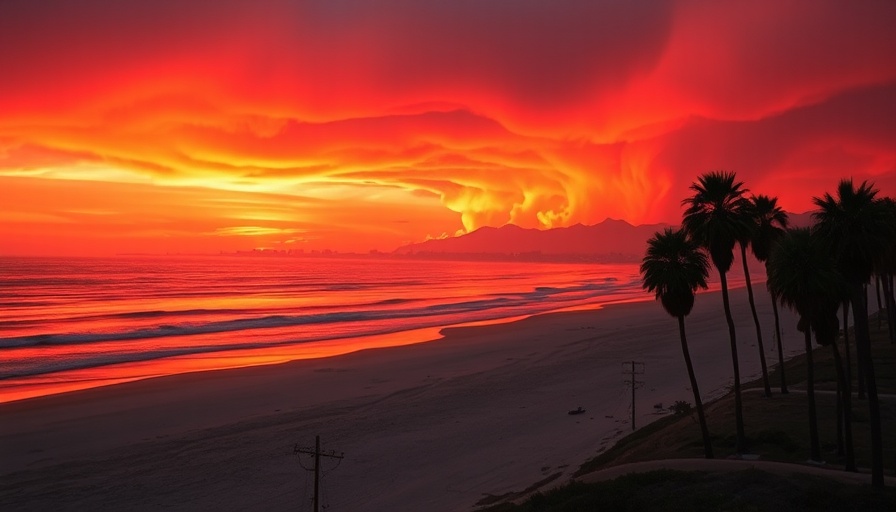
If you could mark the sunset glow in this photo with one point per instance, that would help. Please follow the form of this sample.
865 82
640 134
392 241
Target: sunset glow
348 125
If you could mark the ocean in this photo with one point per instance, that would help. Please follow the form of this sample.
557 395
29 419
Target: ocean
68 324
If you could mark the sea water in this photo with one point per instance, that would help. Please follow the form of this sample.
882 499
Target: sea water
70 324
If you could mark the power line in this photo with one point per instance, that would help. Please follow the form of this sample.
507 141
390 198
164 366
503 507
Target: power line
316 454
631 369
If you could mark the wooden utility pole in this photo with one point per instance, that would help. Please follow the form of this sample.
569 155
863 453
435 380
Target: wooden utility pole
632 369
316 454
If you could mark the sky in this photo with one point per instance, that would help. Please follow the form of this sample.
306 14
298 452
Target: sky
349 125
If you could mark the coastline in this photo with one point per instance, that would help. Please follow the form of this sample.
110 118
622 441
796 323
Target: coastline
480 411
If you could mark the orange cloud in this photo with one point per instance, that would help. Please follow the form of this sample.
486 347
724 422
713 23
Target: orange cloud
350 125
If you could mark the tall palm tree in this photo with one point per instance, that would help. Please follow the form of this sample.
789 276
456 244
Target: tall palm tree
804 277
674 268
846 338
771 223
857 226
751 220
885 268
827 328
714 218
844 388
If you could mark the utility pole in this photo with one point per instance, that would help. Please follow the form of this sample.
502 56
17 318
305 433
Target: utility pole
316 454
631 369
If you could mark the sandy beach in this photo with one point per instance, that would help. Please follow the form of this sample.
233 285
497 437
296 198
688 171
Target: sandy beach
433 426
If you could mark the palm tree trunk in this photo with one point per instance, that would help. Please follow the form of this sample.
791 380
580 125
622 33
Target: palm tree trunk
740 442
780 346
846 403
877 279
841 448
707 444
860 370
891 307
846 321
863 352
743 257
814 447
846 342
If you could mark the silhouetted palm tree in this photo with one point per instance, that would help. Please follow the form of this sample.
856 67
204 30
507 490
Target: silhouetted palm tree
827 328
846 338
751 220
844 390
771 223
885 268
674 268
714 218
857 226
804 277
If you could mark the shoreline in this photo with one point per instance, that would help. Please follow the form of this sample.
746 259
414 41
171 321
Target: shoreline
83 379
497 393
14 389
27 387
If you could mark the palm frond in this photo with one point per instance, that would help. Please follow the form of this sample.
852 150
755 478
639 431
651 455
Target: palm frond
771 221
803 275
717 215
857 225
674 267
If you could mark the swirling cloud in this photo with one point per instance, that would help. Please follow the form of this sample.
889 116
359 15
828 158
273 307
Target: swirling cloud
355 125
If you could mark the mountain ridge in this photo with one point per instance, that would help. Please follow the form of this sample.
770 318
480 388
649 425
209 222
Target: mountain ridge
613 240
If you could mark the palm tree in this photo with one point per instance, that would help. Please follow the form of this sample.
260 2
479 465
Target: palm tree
857 226
752 222
674 268
714 219
885 268
804 277
846 339
771 223
827 328
844 388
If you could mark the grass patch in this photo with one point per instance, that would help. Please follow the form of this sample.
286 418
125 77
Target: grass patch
743 491
617 451
777 429
778 438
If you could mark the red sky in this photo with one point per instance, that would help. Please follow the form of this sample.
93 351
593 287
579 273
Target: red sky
192 126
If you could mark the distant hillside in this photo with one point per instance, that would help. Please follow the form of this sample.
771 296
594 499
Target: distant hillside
610 240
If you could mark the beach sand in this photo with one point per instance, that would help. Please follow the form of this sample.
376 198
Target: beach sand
433 426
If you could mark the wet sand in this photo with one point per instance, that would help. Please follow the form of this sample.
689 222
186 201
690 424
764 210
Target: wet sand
432 426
